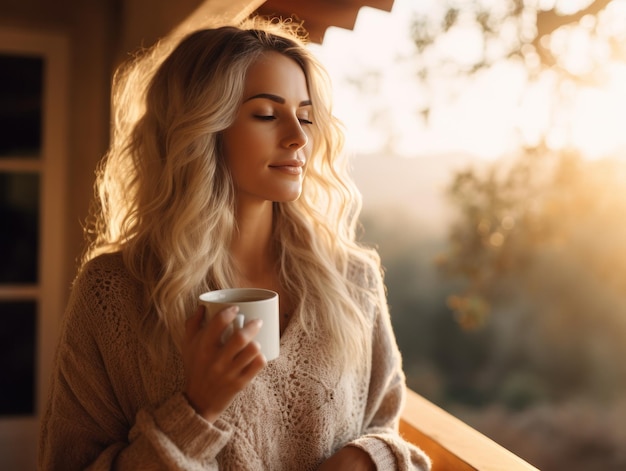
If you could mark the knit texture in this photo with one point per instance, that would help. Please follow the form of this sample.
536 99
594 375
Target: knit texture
108 409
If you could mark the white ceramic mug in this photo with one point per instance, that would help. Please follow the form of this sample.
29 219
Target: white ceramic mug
254 303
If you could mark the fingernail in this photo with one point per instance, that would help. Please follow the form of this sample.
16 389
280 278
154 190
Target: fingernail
229 313
238 322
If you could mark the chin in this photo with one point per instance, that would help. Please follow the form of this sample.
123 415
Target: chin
288 198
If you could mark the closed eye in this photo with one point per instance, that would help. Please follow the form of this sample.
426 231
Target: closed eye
272 118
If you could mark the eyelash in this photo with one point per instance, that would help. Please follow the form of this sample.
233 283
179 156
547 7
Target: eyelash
272 118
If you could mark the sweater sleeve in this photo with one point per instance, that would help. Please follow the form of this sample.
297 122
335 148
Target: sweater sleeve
173 437
386 396
85 426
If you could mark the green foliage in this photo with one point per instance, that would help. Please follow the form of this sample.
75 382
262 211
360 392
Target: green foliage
529 317
441 360
526 300
539 246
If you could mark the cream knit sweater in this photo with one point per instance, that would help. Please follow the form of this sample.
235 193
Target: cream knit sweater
108 409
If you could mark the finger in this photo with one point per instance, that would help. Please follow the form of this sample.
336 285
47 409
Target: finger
194 323
248 362
218 323
242 337
247 365
253 368
246 356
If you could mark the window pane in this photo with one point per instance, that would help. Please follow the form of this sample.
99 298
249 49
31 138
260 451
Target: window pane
19 235
17 357
21 85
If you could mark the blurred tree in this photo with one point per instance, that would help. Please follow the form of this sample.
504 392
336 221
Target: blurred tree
513 28
535 263
574 40
540 240
441 361
538 236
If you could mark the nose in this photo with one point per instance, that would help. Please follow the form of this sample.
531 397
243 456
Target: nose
295 137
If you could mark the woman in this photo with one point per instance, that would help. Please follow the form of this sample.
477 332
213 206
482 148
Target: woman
230 177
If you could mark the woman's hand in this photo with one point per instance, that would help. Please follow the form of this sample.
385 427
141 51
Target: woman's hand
349 458
216 372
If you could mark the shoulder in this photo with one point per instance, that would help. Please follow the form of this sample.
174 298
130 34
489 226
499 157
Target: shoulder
365 271
104 274
365 277
104 290
104 263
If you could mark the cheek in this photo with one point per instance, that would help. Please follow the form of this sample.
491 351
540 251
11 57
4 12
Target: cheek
236 147
246 142
308 149
312 139
236 161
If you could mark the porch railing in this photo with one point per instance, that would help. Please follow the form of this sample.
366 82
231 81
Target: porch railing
452 444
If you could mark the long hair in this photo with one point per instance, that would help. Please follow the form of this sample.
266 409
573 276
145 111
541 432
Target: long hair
165 198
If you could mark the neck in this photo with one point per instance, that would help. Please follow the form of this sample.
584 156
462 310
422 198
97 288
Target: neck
251 246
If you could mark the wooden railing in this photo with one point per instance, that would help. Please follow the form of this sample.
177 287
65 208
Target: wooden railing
452 444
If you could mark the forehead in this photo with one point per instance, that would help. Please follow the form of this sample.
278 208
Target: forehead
277 74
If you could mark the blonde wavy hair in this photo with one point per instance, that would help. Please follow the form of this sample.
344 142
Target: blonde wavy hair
165 199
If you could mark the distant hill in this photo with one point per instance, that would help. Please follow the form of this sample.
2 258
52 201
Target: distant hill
413 187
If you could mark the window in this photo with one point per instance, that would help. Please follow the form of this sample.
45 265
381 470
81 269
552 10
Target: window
33 110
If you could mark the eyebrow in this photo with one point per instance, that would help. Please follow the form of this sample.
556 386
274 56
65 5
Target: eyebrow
276 98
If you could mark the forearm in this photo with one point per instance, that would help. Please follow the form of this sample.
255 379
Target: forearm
170 437
176 437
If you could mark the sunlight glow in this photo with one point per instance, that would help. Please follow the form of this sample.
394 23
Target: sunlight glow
492 115
599 126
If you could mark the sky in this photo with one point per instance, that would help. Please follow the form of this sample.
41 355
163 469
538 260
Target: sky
485 120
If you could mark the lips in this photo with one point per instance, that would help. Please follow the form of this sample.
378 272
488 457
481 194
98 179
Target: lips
291 166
